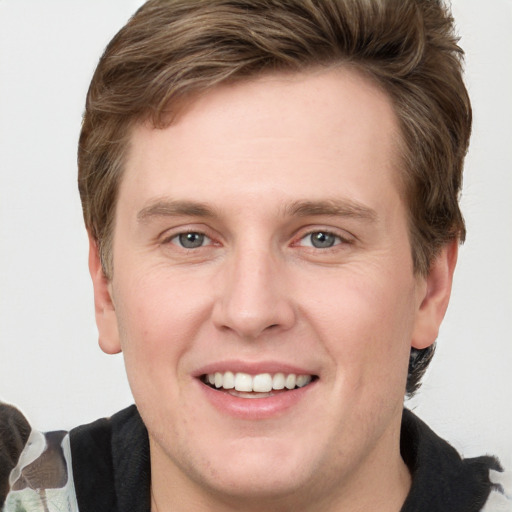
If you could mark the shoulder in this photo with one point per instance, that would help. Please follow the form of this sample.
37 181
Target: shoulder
14 434
35 467
442 479
87 468
500 501
97 447
111 463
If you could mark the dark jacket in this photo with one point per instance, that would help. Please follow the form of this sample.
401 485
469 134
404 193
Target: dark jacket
111 470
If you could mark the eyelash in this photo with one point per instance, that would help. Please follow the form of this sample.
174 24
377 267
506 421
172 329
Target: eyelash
177 237
338 239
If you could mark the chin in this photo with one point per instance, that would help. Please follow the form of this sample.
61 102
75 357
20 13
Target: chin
259 480
256 468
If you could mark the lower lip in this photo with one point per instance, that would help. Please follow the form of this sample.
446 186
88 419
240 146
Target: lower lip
255 408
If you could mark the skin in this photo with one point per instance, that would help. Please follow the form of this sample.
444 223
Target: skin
257 290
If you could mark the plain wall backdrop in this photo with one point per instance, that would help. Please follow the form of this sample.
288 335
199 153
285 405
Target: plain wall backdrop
50 363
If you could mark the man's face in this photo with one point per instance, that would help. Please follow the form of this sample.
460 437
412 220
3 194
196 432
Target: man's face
259 238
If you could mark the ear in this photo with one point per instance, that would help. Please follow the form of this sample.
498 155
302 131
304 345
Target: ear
434 296
105 311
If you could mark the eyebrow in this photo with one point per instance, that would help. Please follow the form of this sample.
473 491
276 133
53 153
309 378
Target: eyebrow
331 207
170 208
301 208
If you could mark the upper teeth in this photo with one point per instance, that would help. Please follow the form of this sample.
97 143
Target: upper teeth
261 383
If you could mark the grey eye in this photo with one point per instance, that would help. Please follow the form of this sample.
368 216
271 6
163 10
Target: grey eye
322 240
191 240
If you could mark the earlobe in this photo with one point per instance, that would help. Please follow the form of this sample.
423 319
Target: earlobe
106 319
434 298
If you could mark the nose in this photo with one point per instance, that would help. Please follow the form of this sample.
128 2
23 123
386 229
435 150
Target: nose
253 295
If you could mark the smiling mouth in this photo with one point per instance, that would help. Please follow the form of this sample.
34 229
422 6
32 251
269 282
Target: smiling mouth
263 385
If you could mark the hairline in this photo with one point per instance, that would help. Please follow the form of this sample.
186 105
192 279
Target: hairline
178 106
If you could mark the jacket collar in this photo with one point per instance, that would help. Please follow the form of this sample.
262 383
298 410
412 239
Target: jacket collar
112 472
441 480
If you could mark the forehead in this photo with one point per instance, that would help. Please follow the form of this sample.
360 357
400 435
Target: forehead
284 131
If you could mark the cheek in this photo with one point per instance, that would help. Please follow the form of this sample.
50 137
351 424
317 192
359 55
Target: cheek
366 327
158 319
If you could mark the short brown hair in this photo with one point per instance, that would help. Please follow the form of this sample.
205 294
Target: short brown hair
171 49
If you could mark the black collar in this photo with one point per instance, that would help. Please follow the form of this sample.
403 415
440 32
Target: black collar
112 471
442 481
111 465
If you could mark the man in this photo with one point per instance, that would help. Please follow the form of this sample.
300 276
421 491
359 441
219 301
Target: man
270 191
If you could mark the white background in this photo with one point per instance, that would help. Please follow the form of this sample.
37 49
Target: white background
50 364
